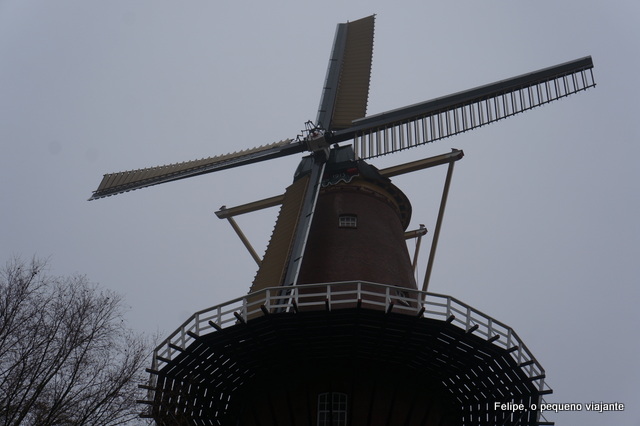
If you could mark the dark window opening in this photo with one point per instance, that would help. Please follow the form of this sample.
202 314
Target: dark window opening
347 221
332 409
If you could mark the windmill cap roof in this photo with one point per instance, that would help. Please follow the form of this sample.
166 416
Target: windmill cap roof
343 167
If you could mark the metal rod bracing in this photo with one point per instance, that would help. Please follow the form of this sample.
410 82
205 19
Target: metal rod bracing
436 232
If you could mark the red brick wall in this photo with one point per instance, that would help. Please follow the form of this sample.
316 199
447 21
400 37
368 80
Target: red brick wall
375 251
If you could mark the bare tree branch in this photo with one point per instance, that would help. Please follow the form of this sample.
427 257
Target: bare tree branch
66 355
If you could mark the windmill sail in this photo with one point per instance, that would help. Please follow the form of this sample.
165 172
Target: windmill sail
342 113
276 258
439 118
116 183
346 89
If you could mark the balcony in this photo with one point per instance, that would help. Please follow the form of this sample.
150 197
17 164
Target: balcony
466 348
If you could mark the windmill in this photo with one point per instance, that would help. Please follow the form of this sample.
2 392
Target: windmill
334 330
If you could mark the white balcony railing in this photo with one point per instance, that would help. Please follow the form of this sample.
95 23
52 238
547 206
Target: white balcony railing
338 295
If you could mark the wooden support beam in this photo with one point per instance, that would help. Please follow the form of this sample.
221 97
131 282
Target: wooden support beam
176 347
264 310
473 328
454 155
214 325
425 163
416 233
512 349
239 317
163 359
147 387
434 241
225 213
244 240
390 307
493 338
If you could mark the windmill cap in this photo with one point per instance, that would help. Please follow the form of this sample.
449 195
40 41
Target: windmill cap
342 168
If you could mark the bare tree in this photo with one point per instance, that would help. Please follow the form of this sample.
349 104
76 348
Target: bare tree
66 355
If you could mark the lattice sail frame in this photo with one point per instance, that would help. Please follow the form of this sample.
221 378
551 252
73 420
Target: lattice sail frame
444 117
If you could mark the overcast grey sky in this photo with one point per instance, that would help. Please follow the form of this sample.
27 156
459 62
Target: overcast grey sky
542 227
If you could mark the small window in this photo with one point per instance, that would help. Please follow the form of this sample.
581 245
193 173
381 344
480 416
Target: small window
332 409
348 221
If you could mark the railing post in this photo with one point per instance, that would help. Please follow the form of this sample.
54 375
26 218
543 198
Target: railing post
267 299
244 309
387 298
541 385
489 327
